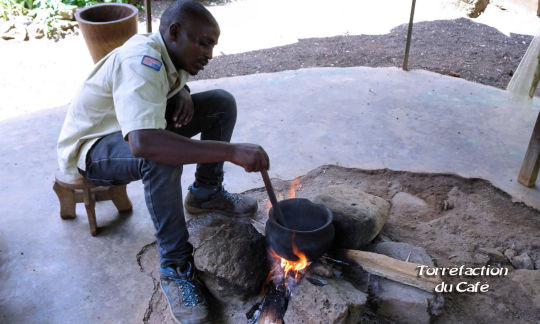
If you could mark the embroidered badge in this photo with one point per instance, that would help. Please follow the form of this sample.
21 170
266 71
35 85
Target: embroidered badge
151 62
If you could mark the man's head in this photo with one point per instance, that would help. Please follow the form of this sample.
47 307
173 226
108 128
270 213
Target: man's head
190 33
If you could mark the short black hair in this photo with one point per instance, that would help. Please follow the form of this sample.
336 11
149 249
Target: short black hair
182 10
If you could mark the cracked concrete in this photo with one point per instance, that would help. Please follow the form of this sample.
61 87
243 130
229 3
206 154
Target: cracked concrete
53 271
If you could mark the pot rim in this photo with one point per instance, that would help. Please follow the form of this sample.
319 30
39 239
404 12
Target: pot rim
134 12
328 222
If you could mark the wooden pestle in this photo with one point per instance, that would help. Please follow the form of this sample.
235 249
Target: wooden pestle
272 196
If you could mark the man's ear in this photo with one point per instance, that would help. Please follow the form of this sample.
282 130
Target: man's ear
174 30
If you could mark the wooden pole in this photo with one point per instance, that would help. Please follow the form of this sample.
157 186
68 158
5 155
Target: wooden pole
270 190
409 34
531 162
148 9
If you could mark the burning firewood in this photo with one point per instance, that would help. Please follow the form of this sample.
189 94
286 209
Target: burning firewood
390 268
273 307
284 276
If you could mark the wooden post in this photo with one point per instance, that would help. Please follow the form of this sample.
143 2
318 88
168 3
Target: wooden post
531 163
409 34
148 9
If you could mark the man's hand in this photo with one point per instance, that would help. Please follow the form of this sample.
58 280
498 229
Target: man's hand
251 157
184 109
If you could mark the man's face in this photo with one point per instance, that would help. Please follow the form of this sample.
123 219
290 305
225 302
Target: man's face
192 44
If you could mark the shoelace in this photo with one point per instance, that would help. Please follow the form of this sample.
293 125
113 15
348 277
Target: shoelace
230 196
189 294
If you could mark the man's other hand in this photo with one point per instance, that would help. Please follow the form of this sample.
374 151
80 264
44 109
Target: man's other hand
184 110
251 157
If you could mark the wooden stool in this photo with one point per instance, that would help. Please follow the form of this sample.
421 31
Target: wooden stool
71 190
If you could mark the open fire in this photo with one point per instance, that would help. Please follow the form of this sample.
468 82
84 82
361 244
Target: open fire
284 276
294 266
288 271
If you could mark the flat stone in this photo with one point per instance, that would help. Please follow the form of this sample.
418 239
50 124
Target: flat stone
494 255
509 254
522 261
336 302
358 216
232 259
400 302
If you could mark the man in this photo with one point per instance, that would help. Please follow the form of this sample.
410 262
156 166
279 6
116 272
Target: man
133 119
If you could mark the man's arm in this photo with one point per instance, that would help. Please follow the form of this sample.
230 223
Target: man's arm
166 147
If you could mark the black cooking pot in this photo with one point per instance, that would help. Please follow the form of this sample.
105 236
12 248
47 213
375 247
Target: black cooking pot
309 225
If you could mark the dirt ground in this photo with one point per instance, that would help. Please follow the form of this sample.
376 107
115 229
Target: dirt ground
474 51
481 216
477 216
462 217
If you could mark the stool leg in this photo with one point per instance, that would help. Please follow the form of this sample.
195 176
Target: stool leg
66 197
119 197
90 204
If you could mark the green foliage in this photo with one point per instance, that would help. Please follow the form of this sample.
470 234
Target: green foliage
48 14
12 8
50 17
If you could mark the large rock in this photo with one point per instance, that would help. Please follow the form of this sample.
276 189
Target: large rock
232 259
336 302
400 302
358 216
522 261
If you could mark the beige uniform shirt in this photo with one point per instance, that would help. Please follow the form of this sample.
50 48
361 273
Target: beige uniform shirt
127 90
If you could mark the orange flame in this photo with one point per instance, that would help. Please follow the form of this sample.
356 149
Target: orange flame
294 185
268 206
295 266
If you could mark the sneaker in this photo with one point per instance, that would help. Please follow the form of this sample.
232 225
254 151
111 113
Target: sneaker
222 202
184 293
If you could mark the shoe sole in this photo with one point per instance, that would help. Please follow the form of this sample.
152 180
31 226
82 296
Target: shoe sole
196 211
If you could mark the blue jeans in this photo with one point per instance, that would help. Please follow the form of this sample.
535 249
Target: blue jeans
110 162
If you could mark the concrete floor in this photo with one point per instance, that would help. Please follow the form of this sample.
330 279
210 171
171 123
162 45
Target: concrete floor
53 271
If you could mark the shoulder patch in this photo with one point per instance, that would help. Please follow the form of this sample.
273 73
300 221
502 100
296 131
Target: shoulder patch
151 62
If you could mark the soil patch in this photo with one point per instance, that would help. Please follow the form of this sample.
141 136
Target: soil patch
459 47
475 52
460 220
